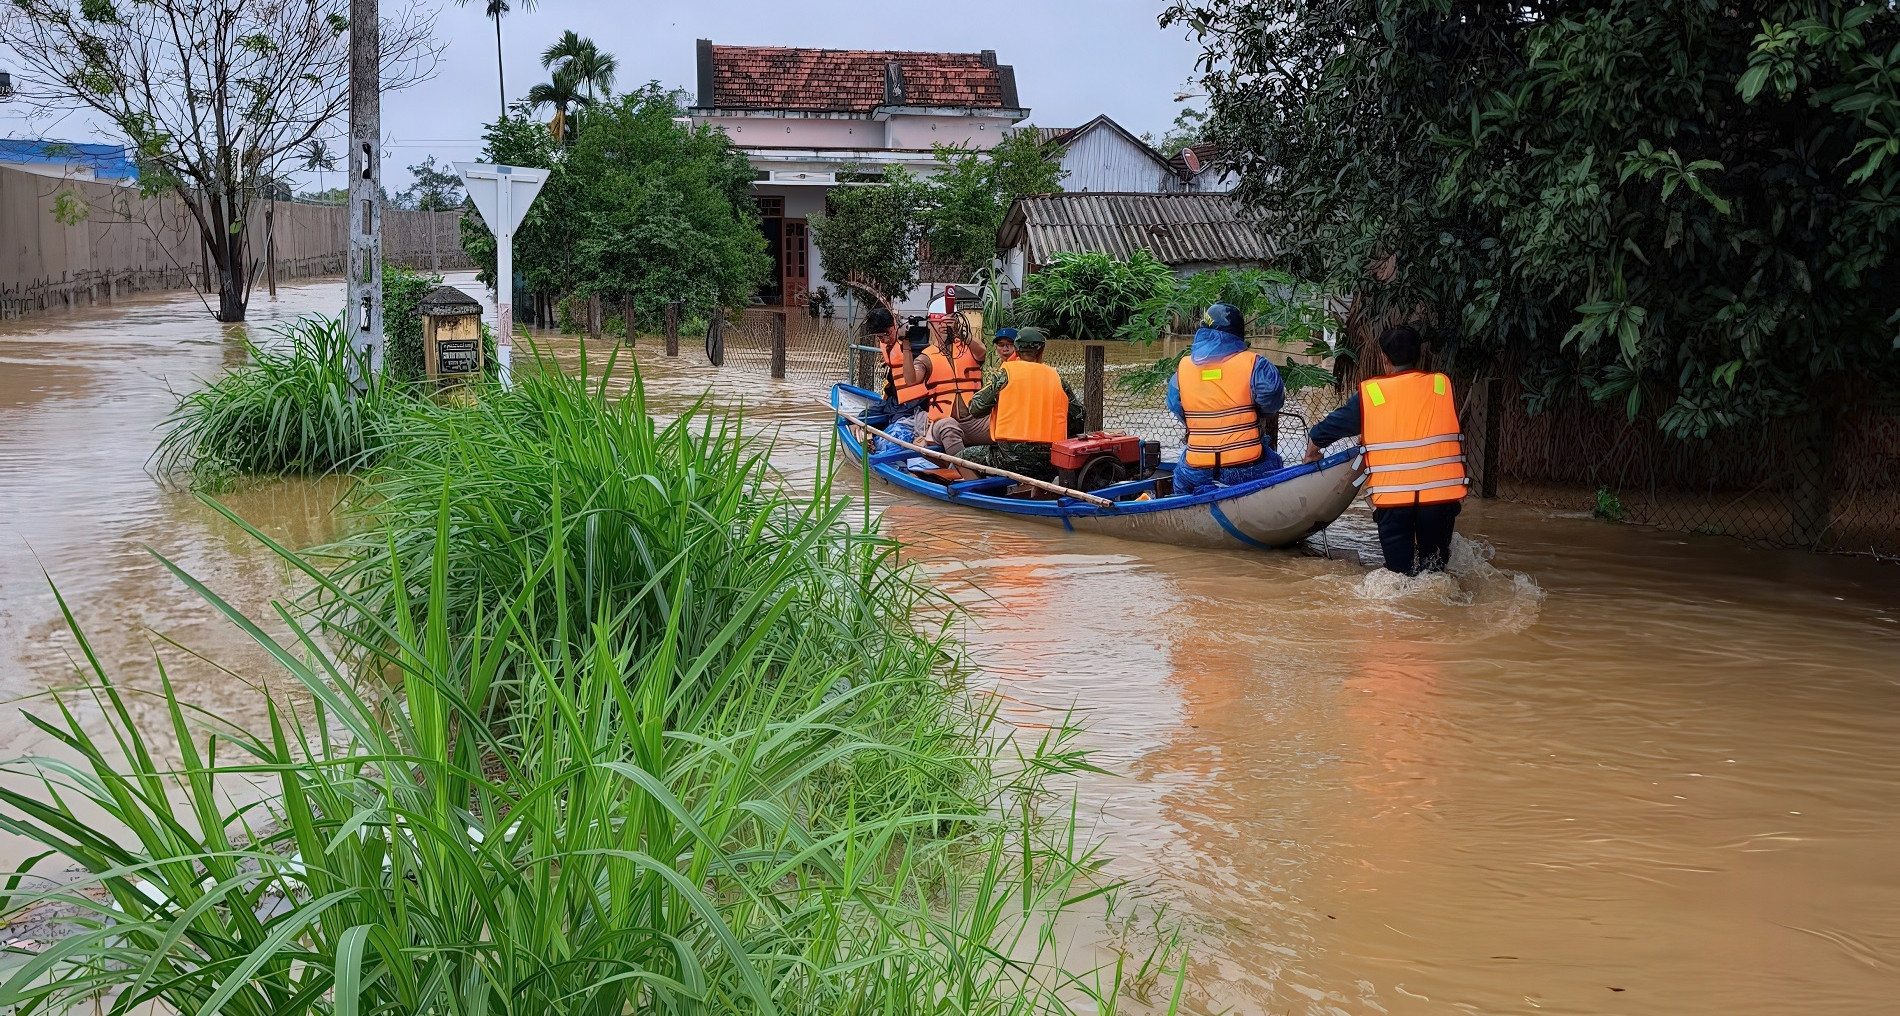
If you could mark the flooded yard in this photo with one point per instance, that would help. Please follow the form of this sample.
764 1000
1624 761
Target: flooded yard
1597 770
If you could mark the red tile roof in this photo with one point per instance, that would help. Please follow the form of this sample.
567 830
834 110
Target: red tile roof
849 80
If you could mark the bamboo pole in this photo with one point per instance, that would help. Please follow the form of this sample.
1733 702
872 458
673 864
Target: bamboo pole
951 460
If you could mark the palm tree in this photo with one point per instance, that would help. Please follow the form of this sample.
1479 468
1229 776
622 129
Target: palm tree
495 9
318 156
591 67
562 91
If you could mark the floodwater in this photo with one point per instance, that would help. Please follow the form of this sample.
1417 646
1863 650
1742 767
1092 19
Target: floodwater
1597 770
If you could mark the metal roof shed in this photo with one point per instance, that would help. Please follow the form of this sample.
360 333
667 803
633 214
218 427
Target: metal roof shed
1191 232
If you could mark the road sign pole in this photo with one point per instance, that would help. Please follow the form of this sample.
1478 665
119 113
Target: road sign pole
502 195
504 259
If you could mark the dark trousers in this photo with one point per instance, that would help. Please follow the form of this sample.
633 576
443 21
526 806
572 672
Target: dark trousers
1416 539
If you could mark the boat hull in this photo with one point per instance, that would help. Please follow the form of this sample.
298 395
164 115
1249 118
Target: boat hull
1276 511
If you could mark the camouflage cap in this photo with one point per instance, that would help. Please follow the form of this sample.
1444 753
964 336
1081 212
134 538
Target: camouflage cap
1030 338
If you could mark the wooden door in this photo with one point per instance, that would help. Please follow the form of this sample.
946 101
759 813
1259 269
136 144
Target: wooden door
795 261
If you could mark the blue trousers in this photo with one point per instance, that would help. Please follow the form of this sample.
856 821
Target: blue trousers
1416 539
1189 480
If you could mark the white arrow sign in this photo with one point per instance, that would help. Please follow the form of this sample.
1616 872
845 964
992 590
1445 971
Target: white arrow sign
502 195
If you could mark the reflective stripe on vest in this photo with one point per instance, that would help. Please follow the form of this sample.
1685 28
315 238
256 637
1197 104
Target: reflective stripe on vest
894 360
946 382
1032 407
1414 451
1223 425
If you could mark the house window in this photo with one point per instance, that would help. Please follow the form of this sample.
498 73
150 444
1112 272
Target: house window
770 207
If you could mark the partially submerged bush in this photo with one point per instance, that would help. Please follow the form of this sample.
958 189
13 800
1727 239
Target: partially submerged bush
292 409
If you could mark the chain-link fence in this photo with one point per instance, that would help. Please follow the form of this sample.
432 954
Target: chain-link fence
820 352
1827 483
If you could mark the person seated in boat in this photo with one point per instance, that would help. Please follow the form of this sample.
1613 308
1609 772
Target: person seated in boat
907 370
1407 422
954 367
1004 342
1229 397
1014 419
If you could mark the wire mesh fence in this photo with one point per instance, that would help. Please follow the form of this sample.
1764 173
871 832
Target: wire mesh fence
1828 484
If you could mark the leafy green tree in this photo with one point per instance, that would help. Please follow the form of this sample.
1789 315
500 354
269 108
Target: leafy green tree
637 205
1092 296
1677 206
869 235
563 89
973 188
592 67
432 189
216 100
1189 129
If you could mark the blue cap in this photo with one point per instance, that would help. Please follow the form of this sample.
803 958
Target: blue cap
1006 333
1225 317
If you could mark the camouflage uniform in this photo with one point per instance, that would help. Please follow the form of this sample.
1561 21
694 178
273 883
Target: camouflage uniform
1018 456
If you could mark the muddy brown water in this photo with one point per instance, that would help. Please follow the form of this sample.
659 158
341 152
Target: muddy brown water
1607 770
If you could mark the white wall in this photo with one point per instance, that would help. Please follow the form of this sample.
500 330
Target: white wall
797 132
923 132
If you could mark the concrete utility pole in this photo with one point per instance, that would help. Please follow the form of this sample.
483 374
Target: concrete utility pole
364 314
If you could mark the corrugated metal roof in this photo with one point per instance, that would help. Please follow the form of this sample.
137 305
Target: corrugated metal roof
1193 228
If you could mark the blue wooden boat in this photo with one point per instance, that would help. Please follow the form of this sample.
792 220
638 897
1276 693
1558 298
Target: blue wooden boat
1273 511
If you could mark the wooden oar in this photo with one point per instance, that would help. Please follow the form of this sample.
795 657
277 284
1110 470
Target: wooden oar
951 460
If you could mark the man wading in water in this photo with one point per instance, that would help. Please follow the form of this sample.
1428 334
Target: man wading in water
1415 455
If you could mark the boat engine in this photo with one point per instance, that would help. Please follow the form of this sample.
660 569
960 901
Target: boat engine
1103 459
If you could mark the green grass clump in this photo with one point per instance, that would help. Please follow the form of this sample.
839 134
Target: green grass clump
599 721
626 529
292 409
593 856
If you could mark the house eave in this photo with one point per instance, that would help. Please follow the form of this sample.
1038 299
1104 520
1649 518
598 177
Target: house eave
988 112
778 114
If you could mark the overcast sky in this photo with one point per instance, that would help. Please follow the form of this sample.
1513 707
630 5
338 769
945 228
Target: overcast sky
1073 58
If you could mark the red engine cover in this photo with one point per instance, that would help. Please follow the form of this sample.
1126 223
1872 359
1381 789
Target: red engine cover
1076 451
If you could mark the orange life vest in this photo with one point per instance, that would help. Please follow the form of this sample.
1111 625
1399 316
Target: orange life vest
894 360
1414 451
1032 407
948 382
1223 424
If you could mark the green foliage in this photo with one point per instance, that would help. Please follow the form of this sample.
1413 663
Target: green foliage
1189 129
292 409
403 289
869 235
1092 296
69 209
1293 313
714 817
634 204
431 189
1681 206
972 190
1609 506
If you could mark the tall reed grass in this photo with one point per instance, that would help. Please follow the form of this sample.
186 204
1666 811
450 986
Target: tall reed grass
602 722
598 859
626 529
291 409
